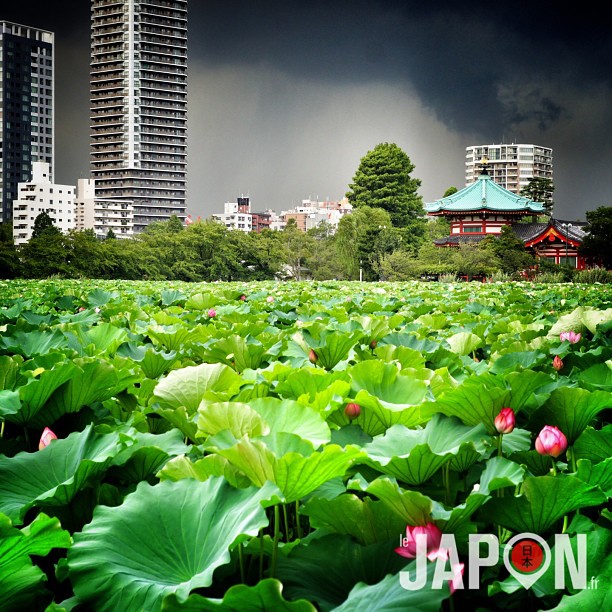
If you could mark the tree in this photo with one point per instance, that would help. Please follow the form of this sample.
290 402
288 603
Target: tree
449 192
42 223
540 189
596 244
510 251
383 181
298 247
10 266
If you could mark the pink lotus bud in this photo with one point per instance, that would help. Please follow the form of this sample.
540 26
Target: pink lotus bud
312 356
270 299
212 313
243 298
45 439
373 344
352 410
557 363
551 441
408 544
571 336
504 421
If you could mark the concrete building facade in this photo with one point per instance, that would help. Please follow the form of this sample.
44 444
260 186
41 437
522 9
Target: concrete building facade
41 195
509 165
138 106
26 107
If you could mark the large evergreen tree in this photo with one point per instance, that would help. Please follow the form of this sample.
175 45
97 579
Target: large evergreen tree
383 181
540 189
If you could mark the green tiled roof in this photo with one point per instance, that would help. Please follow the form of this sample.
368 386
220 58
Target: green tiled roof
484 194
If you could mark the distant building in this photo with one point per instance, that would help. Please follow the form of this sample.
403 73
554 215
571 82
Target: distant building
41 195
138 106
509 165
236 215
102 214
26 107
312 213
483 208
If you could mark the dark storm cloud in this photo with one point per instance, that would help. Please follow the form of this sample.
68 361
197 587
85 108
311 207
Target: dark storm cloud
286 96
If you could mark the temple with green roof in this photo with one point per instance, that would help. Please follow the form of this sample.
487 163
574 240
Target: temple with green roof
482 208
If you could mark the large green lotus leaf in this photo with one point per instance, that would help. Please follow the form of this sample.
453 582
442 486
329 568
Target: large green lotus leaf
594 445
52 476
164 539
242 353
529 389
295 475
99 297
571 409
518 360
39 388
414 455
9 403
412 507
35 342
189 386
464 343
172 339
9 370
201 301
172 296
292 417
265 595
569 322
238 418
212 465
328 568
597 377
20 581
599 474
543 501
367 520
90 381
477 400
388 595
179 418
152 362
102 338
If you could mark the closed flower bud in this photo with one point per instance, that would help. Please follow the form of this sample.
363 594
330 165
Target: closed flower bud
551 441
504 421
312 356
352 410
45 439
557 363
212 313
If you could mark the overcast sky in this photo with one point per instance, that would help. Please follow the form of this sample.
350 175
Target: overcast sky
285 97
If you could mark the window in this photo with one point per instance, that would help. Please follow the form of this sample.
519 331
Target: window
472 230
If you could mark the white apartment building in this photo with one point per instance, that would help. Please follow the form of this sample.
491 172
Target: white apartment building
101 214
509 165
236 215
138 105
41 195
26 107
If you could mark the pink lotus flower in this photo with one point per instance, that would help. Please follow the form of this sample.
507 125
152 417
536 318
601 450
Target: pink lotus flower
45 439
270 299
212 313
504 421
571 336
243 298
557 364
352 410
408 548
551 441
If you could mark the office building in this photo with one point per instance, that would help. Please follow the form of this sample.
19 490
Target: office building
509 165
139 106
26 107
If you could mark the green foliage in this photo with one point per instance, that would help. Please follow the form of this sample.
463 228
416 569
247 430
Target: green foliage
596 244
383 181
541 190
207 460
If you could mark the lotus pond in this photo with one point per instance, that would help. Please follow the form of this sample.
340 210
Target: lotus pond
279 446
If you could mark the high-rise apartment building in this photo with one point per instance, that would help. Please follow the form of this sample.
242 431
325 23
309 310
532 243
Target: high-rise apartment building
26 107
509 165
139 105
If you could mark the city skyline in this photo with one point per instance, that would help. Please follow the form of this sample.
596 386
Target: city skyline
285 98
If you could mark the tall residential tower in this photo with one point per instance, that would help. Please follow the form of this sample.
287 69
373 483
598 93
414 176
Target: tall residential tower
509 165
139 105
26 107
